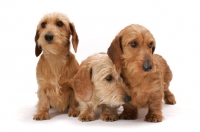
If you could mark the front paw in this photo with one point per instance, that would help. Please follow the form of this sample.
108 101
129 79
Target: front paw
86 117
109 117
41 116
153 117
73 112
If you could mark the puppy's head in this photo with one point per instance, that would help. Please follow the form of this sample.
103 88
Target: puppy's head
133 47
98 81
53 34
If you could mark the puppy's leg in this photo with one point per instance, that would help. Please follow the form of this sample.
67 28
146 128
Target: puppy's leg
155 105
109 114
73 106
86 112
43 106
130 112
168 96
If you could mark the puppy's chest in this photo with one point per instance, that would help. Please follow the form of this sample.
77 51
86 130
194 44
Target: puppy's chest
58 69
53 71
140 95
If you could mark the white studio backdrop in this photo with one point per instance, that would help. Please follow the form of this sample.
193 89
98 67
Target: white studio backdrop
174 24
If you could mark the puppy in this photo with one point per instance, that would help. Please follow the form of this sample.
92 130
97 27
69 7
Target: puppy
97 83
56 66
146 75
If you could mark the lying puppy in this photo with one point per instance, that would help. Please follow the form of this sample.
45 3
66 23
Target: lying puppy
146 75
97 83
56 66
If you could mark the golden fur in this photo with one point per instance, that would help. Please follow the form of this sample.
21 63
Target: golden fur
56 66
146 75
97 83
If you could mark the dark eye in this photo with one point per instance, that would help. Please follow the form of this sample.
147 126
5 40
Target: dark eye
109 78
151 45
59 23
134 44
43 24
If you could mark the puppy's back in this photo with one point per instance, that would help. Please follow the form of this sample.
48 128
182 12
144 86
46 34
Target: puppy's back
164 67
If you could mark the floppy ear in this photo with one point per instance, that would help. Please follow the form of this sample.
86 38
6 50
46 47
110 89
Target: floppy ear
74 36
38 49
115 51
82 84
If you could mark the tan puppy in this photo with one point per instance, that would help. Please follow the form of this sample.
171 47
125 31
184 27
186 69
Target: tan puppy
146 75
97 83
56 66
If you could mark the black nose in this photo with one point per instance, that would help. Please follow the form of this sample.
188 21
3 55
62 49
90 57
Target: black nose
127 99
49 37
147 66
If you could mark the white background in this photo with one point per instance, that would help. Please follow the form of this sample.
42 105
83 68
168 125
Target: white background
175 25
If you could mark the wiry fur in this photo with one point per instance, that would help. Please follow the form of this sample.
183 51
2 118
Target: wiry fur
130 50
56 66
92 89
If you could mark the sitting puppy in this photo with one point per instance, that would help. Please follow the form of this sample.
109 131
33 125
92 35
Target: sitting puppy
146 75
56 66
97 83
